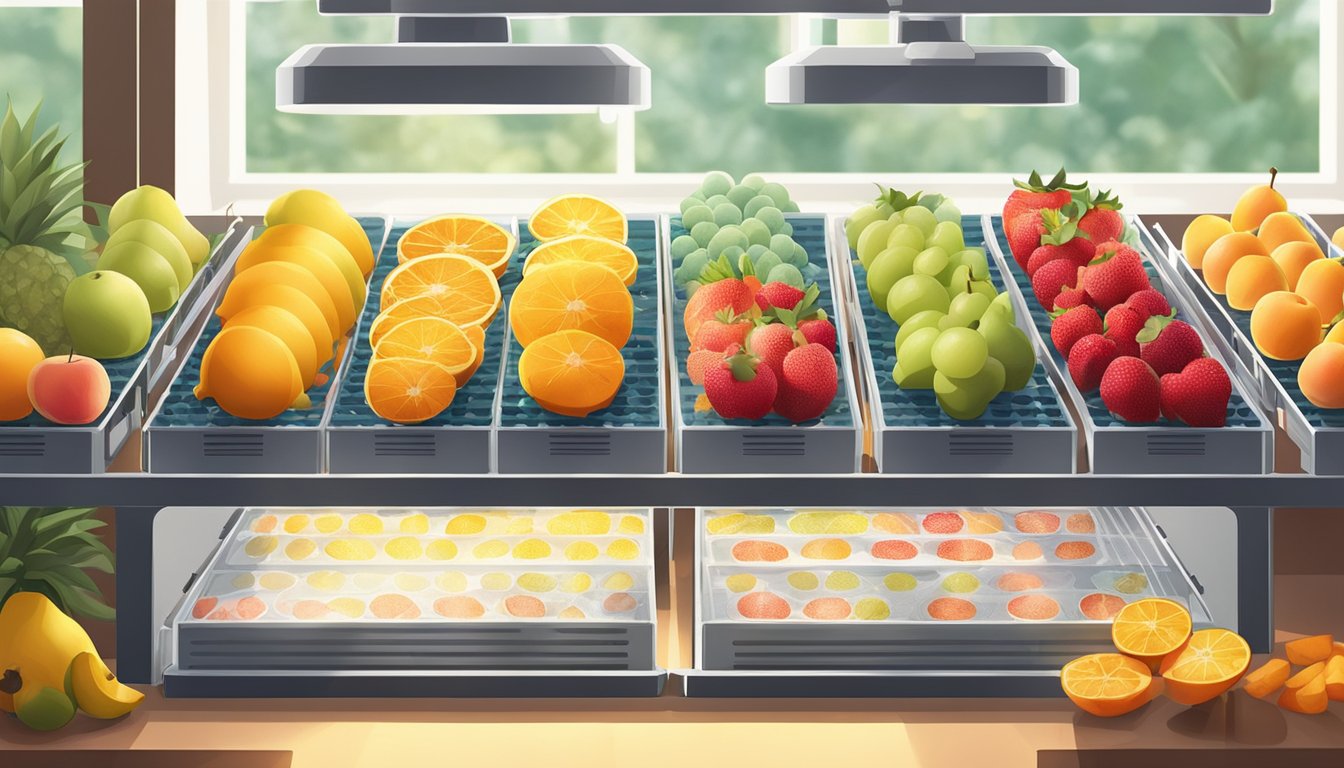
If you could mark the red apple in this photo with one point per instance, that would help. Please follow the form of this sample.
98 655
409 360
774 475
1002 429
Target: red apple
69 389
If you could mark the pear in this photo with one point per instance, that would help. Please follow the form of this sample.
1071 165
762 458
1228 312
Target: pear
1256 204
150 202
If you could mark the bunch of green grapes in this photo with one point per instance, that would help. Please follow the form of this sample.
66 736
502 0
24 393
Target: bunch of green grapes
738 229
958 335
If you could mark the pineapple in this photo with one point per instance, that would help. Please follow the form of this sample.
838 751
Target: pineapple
50 550
43 240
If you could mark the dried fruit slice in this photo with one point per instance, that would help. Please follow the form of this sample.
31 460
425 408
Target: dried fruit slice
430 339
737 522
532 549
943 523
350 549
404 548
827 549
1037 521
828 609
1028 550
1210 663
619 602
1075 550
1019 582
459 607
1151 628
741 582
763 605
895 522
872 609
982 522
580 522
406 391
623 549
394 606
951 609
893 549
249 608
834 523
900 582
751 551
1081 522
585 249
572 373
1033 608
524 607
1107 684
572 296
1099 606
578 215
465 524
842 581
467 289
965 550
472 236
581 550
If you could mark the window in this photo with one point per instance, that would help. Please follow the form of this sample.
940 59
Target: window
41 60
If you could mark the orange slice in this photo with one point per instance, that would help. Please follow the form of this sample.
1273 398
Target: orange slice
427 306
588 249
1306 651
1269 678
578 296
1150 629
1209 664
406 391
571 372
430 339
1108 684
476 335
463 285
1307 692
473 236
578 215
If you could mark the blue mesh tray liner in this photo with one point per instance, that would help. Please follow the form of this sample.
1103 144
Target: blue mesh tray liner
1284 371
638 402
1240 413
1036 405
474 403
809 232
180 408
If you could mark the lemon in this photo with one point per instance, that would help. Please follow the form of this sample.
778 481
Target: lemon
347 606
260 546
623 549
631 524
581 550
900 582
410 582
872 609
738 522
576 583
327 523
489 550
532 549
496 581
451 581
618 581
537 582
327 581
803 580
404 548
300 549
580 522
465 524
366 524
416 523
296 523
842 581
350 549
441 549
740 582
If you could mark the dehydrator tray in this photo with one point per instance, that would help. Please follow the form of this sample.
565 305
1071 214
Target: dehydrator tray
1317 432
186 435
627 437
460 440
34 445
1243 446
706 443
1028 431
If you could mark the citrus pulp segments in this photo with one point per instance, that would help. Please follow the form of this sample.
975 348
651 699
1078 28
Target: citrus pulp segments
571 372
463 286
327 273
406 391
432 340
1150 629
472 236
304 236
578 215
586 249
428 306
1107 684
573 296
1210 663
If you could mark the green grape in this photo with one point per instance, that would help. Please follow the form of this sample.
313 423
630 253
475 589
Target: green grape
716 200
757 232
914 363
741 195
682 246
947 235
914 294
931 262
734 254
985 288
799 255
755 204
787 229
967 308
791 207
959 282
906 236
776 192
926 319
727 236
756 250
771 217
716 183
872 241
765 263
919 216
692 265
889 267
975 259
858 222
960 353
727 213
688 204
782 245
1010 346
1002 305
753 181
696 215
786 273
885 210
967 398
704 232
948 211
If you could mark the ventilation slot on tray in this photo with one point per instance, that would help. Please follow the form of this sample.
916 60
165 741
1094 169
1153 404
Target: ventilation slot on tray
980 444
23 445
404 444
862 654
234 445
774 444
1176 444
579 444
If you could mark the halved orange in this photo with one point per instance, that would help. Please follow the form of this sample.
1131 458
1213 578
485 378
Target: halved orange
586 248
1108 684
432 339
476 335
578 215
427 306
559 297
481 239
406 391
572 372
1151 628
1209 664
462 284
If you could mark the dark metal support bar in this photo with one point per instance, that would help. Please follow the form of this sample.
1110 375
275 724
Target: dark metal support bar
135 593
453 29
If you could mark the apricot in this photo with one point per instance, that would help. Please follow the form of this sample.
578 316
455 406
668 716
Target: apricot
1257 203
1285 326
1338 238
1293 257
1250 278
1336 335
1321 379
1225 252
1322 283
1201 234
1283 227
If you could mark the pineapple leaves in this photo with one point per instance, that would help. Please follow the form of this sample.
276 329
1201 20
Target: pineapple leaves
51 551
40 199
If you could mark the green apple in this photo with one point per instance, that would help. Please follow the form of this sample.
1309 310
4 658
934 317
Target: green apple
150 202
156 236
148 268
107 315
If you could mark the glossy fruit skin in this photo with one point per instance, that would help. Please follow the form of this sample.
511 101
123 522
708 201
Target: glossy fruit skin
1203 232
809 383
1225 252
734 396
1116 274
1131 390
718 334
1044 255
772 343
1285 326
1072 297
1089 359
1022 201
1199 394
1256 204
1122 326
1024 235
69 389
1322 282
1052 279
777 294
39 642
1102 225
709 299
1321 376
1294 257
107 315
1253 277
1149 302
1075 324
1176 346
819 331
20 354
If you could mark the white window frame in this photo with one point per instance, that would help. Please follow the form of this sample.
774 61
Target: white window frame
212 174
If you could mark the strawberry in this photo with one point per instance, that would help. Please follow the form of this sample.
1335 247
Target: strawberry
741 388
1199 394
1035 194
1114 275
818 330
1088 360
810 381
1042 256
1102 221
1052 279
722 331
710 298
1024 236
778 294
1058 229
1149 302
1169 345
1131 390
1070 298
700 360
771 343
1122 326
1070 325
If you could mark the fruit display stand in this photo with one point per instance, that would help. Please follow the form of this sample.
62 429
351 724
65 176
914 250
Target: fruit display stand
185 434
627 437
708 443
1317 432
460 439
36 445
1030 430
1244 445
